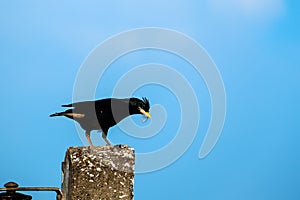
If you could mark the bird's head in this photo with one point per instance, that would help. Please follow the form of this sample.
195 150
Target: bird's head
141 106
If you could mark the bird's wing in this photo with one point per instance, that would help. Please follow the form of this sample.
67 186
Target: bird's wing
80 104
67 105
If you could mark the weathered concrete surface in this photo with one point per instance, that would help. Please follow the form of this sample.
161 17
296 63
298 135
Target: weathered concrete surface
105 172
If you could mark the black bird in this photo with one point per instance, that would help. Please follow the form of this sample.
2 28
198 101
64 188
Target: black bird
104 113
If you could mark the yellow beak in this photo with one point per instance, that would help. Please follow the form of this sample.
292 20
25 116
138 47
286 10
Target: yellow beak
146 114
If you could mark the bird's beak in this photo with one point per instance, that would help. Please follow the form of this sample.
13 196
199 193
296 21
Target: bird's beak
146 114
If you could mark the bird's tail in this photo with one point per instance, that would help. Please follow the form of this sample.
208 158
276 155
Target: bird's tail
69 113
57 114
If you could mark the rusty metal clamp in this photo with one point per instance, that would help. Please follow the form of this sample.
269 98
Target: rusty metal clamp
12 187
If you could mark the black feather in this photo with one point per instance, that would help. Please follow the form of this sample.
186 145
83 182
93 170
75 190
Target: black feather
104 113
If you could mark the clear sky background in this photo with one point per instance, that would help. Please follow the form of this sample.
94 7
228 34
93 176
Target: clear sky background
254 43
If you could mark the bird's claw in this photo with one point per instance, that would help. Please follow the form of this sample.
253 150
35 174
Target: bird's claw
90 148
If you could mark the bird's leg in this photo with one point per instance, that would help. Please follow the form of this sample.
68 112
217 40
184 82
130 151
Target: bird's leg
87 134
105 138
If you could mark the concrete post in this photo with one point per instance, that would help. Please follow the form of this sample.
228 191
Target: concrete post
105 172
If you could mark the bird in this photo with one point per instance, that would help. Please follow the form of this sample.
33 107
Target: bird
103 114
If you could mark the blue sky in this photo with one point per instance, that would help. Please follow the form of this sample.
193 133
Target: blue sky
255 45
